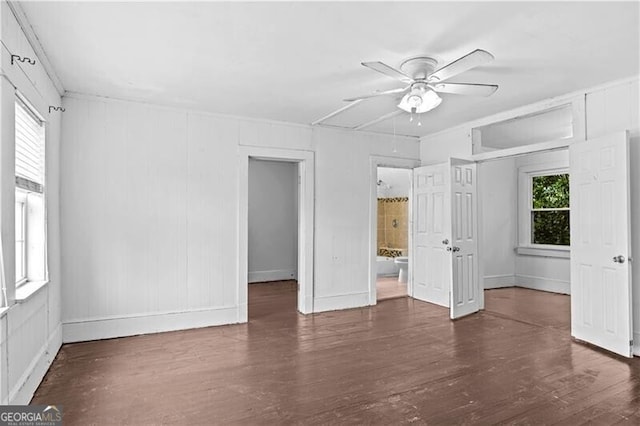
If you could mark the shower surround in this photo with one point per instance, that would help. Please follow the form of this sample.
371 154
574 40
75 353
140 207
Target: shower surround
393 217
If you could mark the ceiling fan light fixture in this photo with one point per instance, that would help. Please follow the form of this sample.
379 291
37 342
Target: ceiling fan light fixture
419 101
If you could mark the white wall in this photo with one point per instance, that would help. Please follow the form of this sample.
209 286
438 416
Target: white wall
609 108
498 215
30 331
273 220
151 244
503 267
538 272
396 182
456 142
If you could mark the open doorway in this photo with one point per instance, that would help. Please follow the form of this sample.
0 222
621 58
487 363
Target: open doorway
393 186
272 237
525 237
303 161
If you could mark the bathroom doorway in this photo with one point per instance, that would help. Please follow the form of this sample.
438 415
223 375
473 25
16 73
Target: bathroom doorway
272 237
393 190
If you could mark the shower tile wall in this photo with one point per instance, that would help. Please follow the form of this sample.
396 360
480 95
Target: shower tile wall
393 241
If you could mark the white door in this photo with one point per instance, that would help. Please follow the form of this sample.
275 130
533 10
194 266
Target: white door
465 291
444 259
430 261
600 248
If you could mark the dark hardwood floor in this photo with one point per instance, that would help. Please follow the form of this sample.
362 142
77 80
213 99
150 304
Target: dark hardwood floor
400 362
390 288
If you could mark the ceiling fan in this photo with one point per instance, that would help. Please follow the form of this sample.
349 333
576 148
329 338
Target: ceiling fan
423 82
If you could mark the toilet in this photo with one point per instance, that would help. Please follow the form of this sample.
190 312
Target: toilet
403 264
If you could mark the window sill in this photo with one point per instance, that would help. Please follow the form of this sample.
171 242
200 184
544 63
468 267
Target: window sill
561 252
29 289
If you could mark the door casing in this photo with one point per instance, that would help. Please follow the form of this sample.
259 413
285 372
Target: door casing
306 200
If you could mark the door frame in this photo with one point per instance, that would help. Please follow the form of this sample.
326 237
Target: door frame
376 161
306 207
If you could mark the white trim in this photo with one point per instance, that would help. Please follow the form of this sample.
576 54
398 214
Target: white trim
499 281
27 290
274 275
544 251
367 132
378 120
306 206
341 301
523 150
376 161
131 325
336 112
34 42
31 378
545 284
525 174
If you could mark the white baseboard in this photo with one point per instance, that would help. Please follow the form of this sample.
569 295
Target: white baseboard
499 281
341 301
545 284
28 383
107 328
636 344
275 275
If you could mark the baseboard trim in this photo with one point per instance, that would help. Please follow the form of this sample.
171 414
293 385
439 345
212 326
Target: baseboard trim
275 275
545 284
28 383
108 328
499 281
340 301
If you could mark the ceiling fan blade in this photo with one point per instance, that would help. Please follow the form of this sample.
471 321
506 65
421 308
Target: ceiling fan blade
465 88
388 71
460 65
379 93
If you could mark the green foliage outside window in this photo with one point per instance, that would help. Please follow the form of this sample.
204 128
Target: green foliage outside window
550 214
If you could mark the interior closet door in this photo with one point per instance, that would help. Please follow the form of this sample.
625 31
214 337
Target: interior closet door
431 262
465 282
601 304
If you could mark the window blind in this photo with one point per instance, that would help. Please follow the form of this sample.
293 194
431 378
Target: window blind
29 149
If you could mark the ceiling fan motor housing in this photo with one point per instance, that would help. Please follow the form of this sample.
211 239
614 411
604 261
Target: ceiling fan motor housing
419 67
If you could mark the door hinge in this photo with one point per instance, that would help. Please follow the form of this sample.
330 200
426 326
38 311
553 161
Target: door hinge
631 343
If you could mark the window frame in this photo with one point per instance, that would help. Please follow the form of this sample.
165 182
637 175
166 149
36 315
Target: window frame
33 196
21 198
525 210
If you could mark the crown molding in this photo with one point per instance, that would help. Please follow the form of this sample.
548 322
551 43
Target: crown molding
33 40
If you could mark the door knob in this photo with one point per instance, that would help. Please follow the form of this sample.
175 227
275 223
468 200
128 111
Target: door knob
456 248
618 259
445 241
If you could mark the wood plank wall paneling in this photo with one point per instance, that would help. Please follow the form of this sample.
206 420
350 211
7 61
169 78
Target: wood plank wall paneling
31 332
150 219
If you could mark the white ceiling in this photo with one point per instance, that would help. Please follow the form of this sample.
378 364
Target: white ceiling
295 62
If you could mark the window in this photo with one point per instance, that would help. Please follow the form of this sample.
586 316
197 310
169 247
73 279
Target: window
29 206
543 207
550 209
21 243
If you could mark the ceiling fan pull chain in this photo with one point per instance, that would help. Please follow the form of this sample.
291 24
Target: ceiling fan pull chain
395 140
